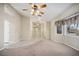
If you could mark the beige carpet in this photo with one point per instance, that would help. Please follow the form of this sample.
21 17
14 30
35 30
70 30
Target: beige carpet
41 48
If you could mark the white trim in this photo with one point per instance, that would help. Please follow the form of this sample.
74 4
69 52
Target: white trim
72 47
2 49
9 43
67 45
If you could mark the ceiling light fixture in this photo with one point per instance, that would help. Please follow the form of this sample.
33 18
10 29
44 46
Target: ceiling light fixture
36 9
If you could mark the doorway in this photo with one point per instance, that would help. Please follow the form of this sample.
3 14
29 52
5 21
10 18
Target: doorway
36 30
6 31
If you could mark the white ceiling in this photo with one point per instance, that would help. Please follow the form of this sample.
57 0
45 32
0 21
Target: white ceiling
51 11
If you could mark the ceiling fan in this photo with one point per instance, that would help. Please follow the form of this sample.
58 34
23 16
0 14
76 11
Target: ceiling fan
36 8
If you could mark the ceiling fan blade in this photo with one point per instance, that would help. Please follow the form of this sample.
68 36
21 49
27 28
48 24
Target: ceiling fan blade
24 9
30 3
43 6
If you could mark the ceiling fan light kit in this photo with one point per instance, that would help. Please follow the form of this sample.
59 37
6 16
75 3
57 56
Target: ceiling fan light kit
36 9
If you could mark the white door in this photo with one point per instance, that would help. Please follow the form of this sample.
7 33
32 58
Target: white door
6 31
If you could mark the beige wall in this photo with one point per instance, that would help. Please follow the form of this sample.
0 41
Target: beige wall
1 25
15 23
69 40
26 31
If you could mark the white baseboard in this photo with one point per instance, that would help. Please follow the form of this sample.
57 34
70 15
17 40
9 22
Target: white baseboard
11 42
67 45
8 44
72 47
2 49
